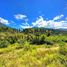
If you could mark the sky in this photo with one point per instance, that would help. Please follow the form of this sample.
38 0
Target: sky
34 13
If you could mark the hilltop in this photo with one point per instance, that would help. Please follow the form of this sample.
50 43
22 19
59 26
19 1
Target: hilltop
4 28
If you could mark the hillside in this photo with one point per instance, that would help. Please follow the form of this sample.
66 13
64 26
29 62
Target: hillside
44 31
33 56
4 28
33 47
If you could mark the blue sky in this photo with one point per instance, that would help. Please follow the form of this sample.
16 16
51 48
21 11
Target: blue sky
34 13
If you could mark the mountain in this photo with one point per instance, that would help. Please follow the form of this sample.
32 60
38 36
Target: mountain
44 31
4 28
2 25
35 30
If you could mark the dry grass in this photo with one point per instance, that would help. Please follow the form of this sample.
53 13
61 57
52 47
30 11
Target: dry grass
34 56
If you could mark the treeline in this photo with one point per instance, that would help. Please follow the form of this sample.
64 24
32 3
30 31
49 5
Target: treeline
47 31
7 39
4 28
36 36
44 31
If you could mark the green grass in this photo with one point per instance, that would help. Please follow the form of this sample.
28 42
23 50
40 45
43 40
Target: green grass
33 47
33 56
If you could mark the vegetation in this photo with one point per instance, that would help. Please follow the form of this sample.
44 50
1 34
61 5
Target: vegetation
33 47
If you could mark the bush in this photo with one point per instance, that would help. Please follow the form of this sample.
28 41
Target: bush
49 42
38 40
63 50
4 44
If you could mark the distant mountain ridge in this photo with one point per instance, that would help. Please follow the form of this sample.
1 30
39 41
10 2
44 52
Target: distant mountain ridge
4 28
34 30
44 31
2 25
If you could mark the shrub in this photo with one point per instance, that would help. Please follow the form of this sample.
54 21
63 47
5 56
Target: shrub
63 50
4 44
38 40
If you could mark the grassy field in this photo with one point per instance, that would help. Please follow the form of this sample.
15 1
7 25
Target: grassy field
33 48
27 55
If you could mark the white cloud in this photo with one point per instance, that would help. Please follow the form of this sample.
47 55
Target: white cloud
57 24
20 16
54 24
24 18
40 22
58 17
25 25
4 21
64 27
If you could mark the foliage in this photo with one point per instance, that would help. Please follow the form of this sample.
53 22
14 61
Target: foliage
33 47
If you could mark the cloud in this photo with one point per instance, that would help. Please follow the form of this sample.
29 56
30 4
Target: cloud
4 21
25 25
24 18
12 22
58 17
54 23
40 22
20 16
